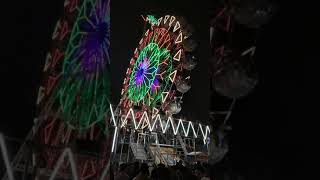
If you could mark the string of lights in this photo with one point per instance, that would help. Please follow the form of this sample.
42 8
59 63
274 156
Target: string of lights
162 124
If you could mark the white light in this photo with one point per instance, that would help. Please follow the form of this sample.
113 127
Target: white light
47 63
177 56
179 38
194 132
5 158
147 32
159 120
184 130
250 50
159 20
114 139
55 32
164 97
203 135
105 171
176 27
171 20
175 131
144 118
166 127
66 153
166 18
112 116
172 76
146 122
211 33
124 122
155 111
40 94
66 3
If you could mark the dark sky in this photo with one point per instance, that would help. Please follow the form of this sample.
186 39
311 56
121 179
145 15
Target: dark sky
266 137
26 40
268 125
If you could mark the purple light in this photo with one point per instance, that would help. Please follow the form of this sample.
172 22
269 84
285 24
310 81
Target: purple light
155 85
94 55
142 69
95 43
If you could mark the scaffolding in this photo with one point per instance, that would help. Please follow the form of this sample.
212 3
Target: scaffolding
158 139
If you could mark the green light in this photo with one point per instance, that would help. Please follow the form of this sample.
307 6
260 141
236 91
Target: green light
84 102
159 66
82 97
153 20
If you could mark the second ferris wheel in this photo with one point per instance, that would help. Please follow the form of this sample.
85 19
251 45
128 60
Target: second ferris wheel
157 76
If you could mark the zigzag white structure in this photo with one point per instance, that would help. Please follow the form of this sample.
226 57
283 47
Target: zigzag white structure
67 153
156 123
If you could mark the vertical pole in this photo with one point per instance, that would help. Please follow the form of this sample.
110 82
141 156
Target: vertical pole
194 149
128 153
129 145
121 149
113 149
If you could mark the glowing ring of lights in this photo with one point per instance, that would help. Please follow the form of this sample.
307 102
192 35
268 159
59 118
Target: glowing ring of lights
149 81
83 88
150 74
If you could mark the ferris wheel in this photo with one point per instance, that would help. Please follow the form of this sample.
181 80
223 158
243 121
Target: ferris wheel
155 82
81 72
157 76
73 101
234 29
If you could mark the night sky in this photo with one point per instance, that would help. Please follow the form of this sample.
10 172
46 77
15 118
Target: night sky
266 139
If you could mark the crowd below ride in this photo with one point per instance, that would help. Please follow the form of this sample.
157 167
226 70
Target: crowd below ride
141 171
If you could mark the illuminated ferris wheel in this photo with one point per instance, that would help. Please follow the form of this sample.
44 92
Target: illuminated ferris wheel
156 80
74 100
83 86
157 76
